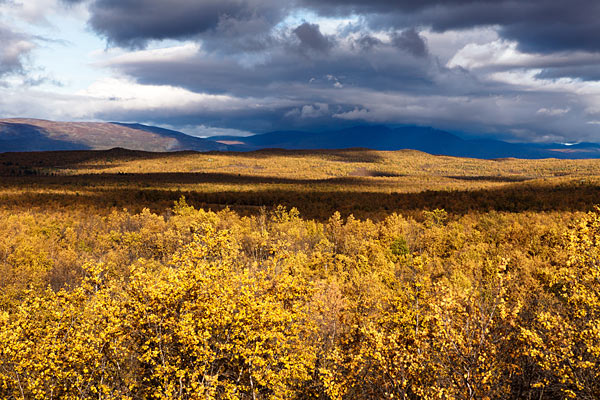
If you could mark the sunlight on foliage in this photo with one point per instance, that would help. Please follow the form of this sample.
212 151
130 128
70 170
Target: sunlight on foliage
495 297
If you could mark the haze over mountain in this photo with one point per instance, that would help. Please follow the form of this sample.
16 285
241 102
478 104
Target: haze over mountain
42 135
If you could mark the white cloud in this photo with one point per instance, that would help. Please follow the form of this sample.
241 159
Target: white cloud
445 45
12 51
123 93
553 111
122 99
315 111
498 52
38 12
180 52
336 82
503 54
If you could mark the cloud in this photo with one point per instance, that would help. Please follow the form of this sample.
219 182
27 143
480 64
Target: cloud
124 100
287 93
503 55
537 25
410 41
314 111
510 68
132 23
14 50
39 12
367 42
505 116
282 72
585 71
347 86
553 111
311 38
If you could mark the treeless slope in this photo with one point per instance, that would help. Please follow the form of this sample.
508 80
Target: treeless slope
21 134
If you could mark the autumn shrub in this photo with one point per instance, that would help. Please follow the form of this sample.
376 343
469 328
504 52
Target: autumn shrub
194 303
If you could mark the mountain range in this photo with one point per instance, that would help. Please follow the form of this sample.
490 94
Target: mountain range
429 140
41 135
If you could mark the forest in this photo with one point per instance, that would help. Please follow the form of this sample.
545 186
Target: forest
351 274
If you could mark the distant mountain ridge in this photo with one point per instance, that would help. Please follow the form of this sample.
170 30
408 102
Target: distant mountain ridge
22 134
429 140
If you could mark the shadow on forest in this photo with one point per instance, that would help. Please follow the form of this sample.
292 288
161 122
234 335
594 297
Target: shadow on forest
351 155
489 178
77 159
153 178
98 159
354 196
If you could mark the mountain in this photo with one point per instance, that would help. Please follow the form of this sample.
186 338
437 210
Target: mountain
425 139
22 134
41 135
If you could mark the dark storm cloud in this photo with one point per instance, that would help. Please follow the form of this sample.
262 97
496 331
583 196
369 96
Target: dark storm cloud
378 68
411 41
310 37
584 72
287 72
14 49
353 84
538 25
293 90
133 22
367 42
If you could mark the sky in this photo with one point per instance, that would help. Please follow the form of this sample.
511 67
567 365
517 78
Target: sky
515 70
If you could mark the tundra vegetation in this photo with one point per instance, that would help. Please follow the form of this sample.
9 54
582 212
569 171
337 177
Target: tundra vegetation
298 275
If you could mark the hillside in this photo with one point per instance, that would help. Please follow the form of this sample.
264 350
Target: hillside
41 135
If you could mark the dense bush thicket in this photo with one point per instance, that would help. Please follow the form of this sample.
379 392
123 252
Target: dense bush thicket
198 305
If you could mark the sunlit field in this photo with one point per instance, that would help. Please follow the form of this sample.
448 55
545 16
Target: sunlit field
360 182
349 274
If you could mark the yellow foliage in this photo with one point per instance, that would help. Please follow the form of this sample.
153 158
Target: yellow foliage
464 302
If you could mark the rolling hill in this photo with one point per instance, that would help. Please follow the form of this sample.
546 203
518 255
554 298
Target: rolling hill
41 135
